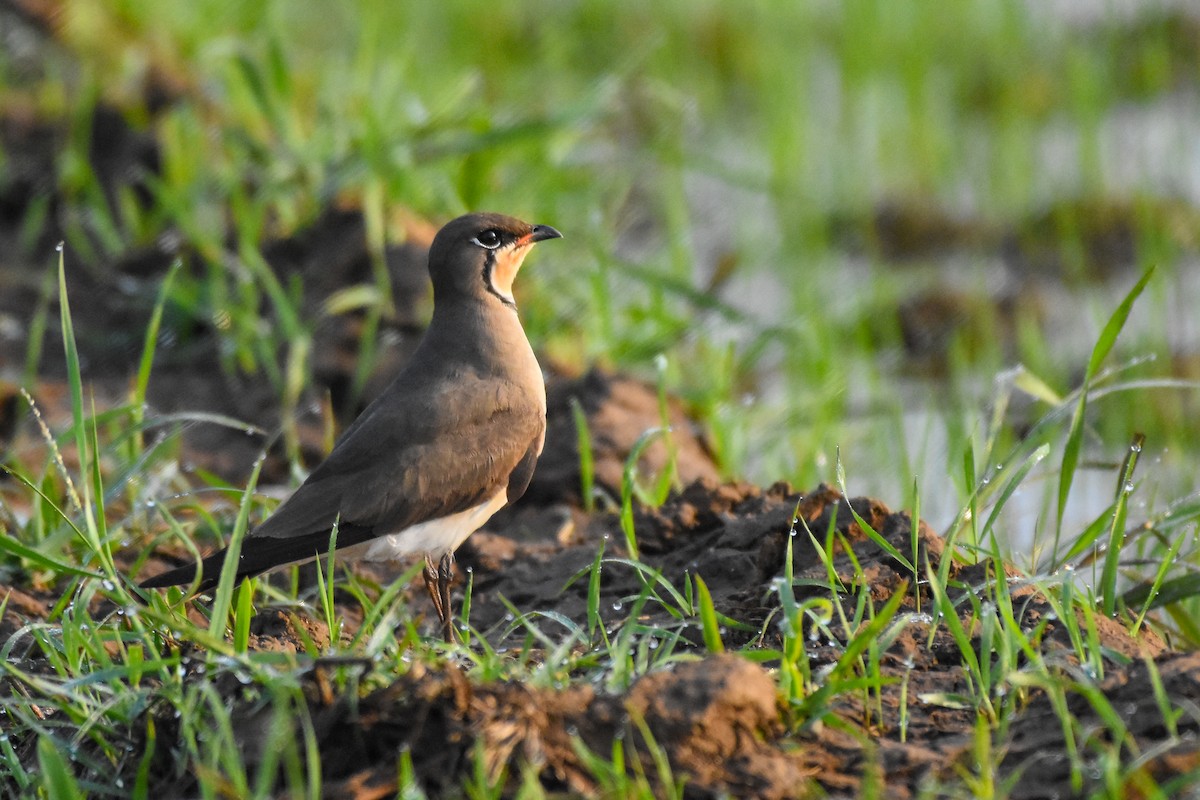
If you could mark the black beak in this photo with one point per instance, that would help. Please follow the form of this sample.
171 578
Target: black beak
541 233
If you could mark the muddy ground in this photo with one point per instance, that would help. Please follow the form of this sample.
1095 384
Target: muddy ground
718 718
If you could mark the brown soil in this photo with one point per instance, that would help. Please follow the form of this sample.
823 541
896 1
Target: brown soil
718 719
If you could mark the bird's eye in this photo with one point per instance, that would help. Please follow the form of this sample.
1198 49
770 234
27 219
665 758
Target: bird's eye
489 239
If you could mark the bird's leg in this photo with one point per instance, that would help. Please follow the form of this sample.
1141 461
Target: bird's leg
437 581
445 576
433 586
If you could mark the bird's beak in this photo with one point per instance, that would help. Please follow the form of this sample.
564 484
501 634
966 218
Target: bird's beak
540 233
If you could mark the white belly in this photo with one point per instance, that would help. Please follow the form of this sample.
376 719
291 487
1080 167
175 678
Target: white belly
435 537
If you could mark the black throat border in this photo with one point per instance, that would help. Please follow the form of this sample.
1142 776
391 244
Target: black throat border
488 266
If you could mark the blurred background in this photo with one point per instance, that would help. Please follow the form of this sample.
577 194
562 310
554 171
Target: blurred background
889 233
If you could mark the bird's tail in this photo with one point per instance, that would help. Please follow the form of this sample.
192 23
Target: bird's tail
210 572
259 554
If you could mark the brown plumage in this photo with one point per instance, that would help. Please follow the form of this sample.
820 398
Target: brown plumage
451 440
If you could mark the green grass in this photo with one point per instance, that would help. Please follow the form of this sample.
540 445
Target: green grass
677 145
129 692
602 117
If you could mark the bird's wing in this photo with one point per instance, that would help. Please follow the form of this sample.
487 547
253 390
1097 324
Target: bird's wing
407 459
414 458
522 474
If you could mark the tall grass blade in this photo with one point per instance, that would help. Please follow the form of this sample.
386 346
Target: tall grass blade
224 596
150 345
1108 337
1013 484
74 376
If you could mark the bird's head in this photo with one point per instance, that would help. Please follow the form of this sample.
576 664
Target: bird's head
478 255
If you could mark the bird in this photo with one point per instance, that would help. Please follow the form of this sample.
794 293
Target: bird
452 439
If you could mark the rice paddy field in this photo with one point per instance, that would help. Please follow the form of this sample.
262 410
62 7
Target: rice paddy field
872 352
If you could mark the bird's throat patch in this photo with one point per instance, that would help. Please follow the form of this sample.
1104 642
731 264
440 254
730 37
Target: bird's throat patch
502 268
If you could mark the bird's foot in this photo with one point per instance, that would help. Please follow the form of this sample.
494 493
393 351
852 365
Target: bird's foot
437 581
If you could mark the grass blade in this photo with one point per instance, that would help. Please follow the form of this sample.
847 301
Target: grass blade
59 782
866 528
224 597
150 344
1103 346
708 618
587 466
1116 535
629 485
